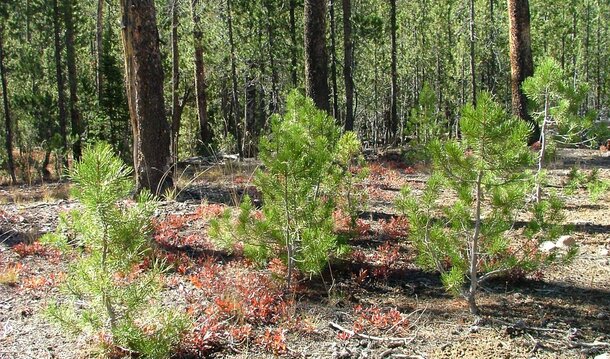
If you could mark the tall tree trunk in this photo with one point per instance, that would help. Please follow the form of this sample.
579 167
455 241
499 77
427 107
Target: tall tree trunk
393 125
348 48
235 125
205 131
176 107
274 104
293 44
473 76
144 82
316 59
7 113
61 97
521 62
75 116
99 47
333 62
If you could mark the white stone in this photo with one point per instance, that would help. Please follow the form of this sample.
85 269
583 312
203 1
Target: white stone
604 252
603 356
565 241
547 246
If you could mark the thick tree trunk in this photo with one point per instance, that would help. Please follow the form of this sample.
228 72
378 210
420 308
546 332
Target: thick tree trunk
152 159
293 44
61 97
7 113
205 131
75 116
316 59
393 125
521 62
348 48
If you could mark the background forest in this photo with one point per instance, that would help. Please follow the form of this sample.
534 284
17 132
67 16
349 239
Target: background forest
63 72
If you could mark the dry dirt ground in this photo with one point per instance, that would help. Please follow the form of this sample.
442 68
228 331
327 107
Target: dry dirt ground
397 310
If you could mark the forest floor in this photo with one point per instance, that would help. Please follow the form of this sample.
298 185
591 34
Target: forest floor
395 309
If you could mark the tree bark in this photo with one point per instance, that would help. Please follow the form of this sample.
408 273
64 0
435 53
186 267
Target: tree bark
144 82
61 97
333 62
75 116
274 103
176 107
205 131
293 44
348 47
521 62
316 59
393 125
473 76
99 46
8 130
235 124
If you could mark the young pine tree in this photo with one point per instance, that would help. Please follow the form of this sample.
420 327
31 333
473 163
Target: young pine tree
105 293
557 112
487 173
306 163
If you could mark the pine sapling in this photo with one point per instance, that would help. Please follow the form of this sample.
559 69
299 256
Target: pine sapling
106 290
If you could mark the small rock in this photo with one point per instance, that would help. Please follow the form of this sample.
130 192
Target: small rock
603 356
565 241
602 315
547 246
604 252
474 329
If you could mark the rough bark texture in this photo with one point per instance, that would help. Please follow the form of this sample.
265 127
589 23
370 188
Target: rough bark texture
393 125
521 62
144 80
348 47
75 116
61 97
8 130
316 59
205 131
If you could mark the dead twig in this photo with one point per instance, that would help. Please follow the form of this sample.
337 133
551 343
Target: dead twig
595 344
405 341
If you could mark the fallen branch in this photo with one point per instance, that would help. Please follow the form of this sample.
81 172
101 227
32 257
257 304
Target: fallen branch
594 344
405 341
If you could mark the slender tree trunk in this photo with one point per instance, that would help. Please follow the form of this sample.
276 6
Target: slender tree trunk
235 125
61 97
293 44
521 62
75 116
7 113
176 107
333 62
273 105
205 131
393 125
99 45
144 82
348 48
473 77
316 59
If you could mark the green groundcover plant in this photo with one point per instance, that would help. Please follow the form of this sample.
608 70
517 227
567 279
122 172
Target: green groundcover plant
109 293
